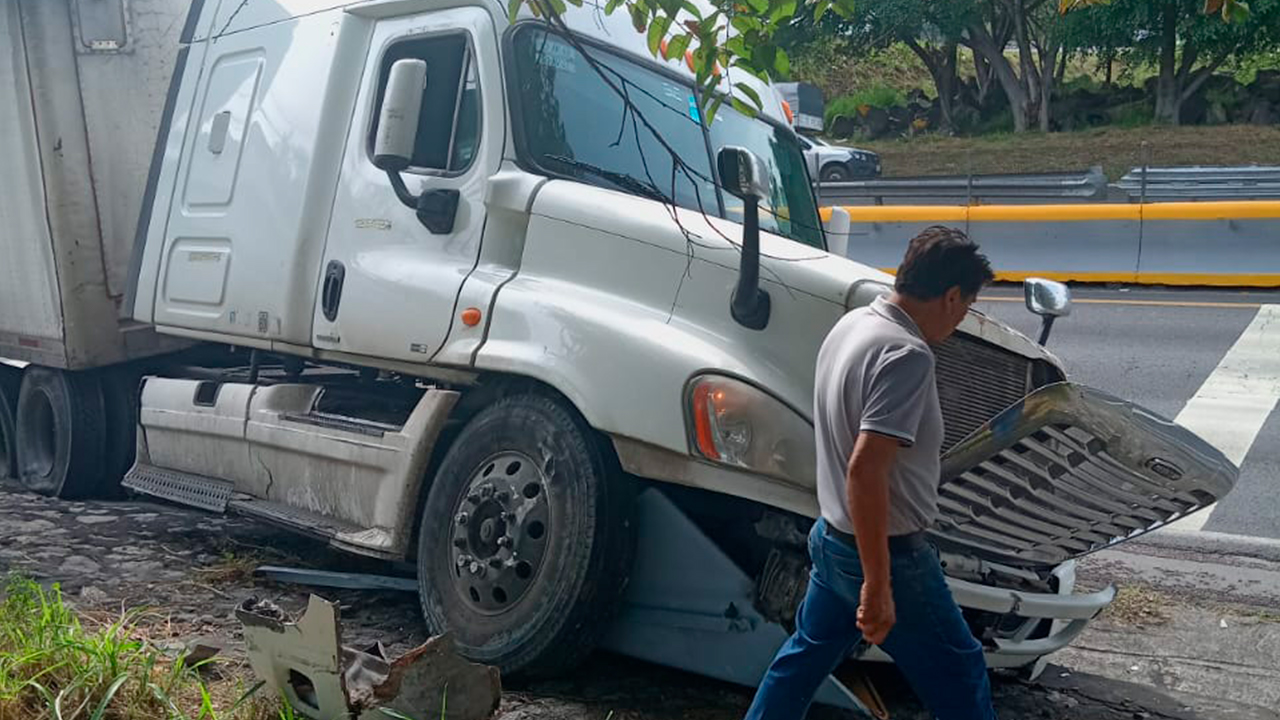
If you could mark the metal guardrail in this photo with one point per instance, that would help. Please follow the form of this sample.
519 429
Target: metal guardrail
1248 182
1087 185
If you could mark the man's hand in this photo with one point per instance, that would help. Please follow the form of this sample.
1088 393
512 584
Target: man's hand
875 612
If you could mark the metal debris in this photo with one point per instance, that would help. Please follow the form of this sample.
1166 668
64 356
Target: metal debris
329 578
306 662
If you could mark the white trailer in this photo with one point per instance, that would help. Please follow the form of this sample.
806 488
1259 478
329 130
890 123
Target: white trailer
502 303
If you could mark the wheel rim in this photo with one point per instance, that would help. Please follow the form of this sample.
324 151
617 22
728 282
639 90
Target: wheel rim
44 437
501 526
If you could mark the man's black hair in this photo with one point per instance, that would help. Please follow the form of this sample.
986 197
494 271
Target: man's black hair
938 259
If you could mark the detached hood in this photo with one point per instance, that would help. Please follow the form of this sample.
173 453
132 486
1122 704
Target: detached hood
1070 470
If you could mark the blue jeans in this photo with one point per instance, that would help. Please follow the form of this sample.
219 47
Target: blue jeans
930 642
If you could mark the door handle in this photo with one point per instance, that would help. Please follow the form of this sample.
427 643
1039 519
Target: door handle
331 292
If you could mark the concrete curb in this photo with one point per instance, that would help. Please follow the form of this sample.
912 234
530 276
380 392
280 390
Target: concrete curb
1214 543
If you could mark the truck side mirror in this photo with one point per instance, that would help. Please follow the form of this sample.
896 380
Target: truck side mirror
398 120
744 174
1048 299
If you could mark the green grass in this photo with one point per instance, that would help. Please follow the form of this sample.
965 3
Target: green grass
1117 150
53 666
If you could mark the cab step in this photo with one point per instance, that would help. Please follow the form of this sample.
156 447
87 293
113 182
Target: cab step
184 488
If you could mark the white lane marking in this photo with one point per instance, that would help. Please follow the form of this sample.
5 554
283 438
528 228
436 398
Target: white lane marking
1231 406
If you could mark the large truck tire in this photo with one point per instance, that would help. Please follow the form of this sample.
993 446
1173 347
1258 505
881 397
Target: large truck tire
61 433
120 399
526 539
10 381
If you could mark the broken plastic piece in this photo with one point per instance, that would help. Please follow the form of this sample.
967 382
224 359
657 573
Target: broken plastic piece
306 662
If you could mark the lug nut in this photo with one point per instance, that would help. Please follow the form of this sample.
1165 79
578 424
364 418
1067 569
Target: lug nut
486 491
504 541
508 517
463 560
462 518
475 567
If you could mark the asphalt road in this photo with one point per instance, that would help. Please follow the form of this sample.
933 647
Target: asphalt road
1158 347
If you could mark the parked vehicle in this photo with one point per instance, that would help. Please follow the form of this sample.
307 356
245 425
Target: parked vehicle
417 281
837 163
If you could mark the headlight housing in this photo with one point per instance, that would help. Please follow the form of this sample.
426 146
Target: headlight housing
736 424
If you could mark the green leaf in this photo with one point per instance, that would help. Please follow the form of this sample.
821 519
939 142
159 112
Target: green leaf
677 46
783 11
743 108
611 5
557 6
513 9
639 20
710 113
820 9
782 63
657 32
760 6
575 3
750 92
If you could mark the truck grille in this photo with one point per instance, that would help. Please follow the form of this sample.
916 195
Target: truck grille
975 382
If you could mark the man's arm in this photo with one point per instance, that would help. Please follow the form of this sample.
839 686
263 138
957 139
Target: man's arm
867 487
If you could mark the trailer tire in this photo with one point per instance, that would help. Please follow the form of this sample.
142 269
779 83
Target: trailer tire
10 381
61 433
538 604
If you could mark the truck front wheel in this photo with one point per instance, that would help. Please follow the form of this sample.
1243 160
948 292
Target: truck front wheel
61 437
526 538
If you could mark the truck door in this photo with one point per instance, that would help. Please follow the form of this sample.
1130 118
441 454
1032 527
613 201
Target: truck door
388 284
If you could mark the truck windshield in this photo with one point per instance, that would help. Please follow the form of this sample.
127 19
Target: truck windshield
572 124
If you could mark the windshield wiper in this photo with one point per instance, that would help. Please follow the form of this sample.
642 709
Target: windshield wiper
622 180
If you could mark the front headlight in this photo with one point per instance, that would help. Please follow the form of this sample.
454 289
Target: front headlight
736 424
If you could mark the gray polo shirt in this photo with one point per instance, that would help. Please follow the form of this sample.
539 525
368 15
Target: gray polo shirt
875 374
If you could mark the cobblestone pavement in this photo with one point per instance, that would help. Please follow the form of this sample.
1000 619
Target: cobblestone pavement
188 570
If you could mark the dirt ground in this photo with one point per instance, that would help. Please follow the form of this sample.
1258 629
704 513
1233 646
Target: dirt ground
190 569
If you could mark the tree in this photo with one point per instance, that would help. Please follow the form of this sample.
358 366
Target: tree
930 29
1187 44
1037 30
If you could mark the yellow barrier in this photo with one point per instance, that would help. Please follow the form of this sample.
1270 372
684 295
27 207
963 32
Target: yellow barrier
1219 210
1213 211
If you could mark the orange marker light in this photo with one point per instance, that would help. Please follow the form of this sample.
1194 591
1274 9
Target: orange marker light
703 399
471 317
786 109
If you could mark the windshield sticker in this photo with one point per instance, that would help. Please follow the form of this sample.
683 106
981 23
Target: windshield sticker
561 57
693 110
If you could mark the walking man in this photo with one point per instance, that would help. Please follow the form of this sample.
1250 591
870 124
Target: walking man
879 436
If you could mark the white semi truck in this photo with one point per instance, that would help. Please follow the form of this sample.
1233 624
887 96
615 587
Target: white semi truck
495 299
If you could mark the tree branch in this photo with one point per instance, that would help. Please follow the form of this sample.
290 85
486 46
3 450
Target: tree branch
1190 54
1200 76
925 56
